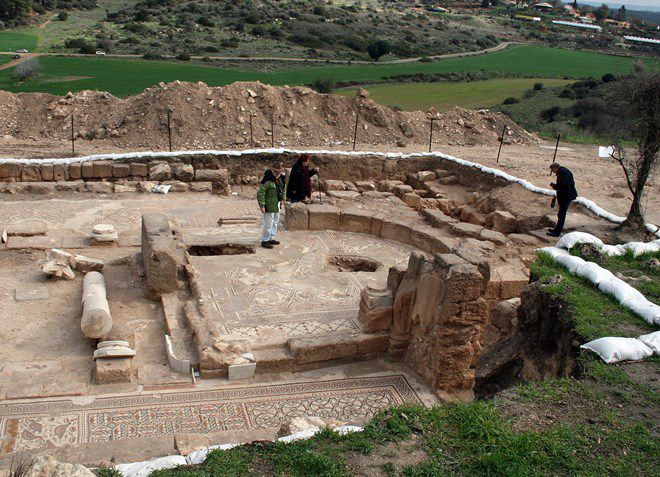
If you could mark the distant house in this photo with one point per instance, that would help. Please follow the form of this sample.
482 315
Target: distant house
577 25
543 7
617 23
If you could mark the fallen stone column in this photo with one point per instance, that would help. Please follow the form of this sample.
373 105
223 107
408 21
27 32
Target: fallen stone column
96 320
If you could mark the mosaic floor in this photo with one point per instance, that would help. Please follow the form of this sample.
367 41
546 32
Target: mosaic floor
293 290
47 424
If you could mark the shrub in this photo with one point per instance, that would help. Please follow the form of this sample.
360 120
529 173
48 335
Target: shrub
425 59
378 48
608 78
152 56
183 57
538 86
63 16
26 70
322 85
549 115
511 100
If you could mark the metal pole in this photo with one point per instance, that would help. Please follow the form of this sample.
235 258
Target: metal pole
501 141
272 130
251 132
357 117
431 135
169 130
554 157
73 138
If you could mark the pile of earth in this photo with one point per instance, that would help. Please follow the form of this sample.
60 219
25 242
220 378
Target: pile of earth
212 117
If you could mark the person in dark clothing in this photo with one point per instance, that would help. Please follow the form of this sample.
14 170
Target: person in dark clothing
566 193
299 188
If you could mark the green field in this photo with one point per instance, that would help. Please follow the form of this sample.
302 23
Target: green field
12 41
444 96
125 77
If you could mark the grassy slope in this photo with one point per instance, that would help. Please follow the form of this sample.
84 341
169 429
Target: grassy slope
126 77
12 41
444 96
601 424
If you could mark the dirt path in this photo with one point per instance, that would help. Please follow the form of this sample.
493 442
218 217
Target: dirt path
24 57
501 46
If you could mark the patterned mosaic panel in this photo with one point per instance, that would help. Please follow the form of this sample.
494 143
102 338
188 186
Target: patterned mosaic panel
48 424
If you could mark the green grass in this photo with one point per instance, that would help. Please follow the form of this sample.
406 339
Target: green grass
125 77
444 96
12 41
596 314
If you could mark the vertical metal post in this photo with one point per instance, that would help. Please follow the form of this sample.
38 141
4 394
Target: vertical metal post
554 157
501 141
357 118
431 134
73 138
251 132
169 129
272 130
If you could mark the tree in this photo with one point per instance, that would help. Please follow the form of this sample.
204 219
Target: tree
15 10
638 99
378 48
621 13
26 70
602 12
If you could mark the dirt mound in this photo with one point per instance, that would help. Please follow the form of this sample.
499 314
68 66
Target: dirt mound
211 117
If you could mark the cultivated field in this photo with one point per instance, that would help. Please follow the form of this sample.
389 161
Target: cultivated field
12 41
444 96
124 77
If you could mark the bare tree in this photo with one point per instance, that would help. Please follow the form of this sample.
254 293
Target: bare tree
638 100
26 70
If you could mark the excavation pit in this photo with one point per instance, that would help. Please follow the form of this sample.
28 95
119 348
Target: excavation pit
353 263
223 249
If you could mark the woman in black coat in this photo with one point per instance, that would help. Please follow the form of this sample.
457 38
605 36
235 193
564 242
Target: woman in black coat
300 180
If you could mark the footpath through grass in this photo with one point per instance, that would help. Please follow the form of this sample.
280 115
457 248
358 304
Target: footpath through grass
602 424
444 96
123 77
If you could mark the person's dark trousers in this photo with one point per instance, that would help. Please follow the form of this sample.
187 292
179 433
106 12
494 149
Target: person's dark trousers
561 216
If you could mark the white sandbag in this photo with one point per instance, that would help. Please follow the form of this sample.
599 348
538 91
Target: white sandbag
614 349
197 457
571 239
343 430
652 340
143 469
595 273
650 312
613 250
620 290
296 436
638 248
571 263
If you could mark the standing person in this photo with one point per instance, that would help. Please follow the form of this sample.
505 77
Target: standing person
566 193
300 181
270 197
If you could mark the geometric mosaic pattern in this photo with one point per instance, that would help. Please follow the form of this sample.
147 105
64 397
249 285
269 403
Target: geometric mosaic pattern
47 424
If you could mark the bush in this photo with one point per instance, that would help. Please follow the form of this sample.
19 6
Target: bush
608 78
549 115
322 85
80 44
511 100
183 57
26 70
63 16
538 86
378 48
425 59
152 56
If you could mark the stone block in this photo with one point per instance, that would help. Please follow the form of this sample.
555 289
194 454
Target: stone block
330 184
395 275
177 186
493 236
371 344
31 173
60 172
160 172
377 225
431 240
183 172
505 314
461 229
350 187
102 169
508 280
38 242
87 170
426 176
113 370
10 170
401 190
365 186
397 230
344 194
99 187
46 172
236 372
437 218
314 349
412 200
121 170
123 188
160 256
440 173
75 171
447 260
464 283
272 360
449 180
355 220
324 217
504 222
523 239
201 186
139 169
375 311
296 216
27 228
388 185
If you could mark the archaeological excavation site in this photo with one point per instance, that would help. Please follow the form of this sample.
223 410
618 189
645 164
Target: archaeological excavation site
143 322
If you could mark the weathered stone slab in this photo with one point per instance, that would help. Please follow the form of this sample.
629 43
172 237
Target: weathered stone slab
376 309
355 220
160 172
397 230
38 242
31 293
113 370
31 173
102 169
343 194
10 170
431 240
27 228
139 169
493 236
463 229
504 221
324 217
60 172
438 218
160 256
121 170
296 216
322 348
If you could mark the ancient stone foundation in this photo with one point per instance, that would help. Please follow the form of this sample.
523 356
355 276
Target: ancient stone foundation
161 257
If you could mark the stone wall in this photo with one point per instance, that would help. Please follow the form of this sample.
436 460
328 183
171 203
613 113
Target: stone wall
212 172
